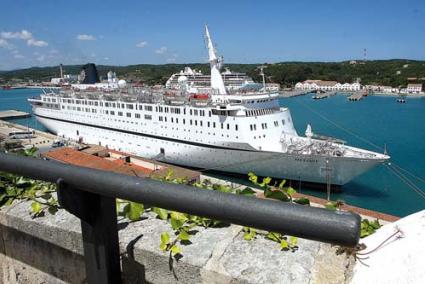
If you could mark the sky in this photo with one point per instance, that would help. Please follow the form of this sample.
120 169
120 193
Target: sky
49 32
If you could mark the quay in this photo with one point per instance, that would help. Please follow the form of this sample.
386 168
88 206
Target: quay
11 114
356 97
324 95
294 93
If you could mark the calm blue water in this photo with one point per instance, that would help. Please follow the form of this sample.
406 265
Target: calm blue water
380 120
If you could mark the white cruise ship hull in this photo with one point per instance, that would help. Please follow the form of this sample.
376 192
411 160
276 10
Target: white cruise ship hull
308 168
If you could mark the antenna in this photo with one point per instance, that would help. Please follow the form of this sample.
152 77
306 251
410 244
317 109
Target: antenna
263 76
364 54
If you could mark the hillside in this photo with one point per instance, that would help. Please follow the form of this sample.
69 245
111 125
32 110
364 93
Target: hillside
385 72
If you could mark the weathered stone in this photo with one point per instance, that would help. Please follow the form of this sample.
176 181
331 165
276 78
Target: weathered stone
49 250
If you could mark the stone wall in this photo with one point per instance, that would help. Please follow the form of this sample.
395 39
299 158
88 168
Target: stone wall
49 250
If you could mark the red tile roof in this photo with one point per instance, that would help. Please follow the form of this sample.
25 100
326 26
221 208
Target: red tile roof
77 158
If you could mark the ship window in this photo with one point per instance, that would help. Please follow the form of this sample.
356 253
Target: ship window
93 110
148 108
208 124
130 106
228 126
255 126
209 113
96 103
236 127
196 112
251 127
184 111
113 104
112 112
172 119
128 114
200 122
190 122
213 124
184 121
190 112
148 116
177 120
120 113
78 109
222 125
196 122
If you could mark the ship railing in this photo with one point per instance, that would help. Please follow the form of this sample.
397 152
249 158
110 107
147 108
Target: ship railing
91 194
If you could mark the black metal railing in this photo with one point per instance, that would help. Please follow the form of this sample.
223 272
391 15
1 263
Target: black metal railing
90 195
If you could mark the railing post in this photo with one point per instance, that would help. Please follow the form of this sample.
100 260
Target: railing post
99 230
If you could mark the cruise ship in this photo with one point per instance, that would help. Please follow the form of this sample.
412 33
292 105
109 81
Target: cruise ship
196 79
221 130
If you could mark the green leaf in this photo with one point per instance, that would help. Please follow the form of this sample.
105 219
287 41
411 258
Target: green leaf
165 238
135 211
52 210
162 213
253 178
163 247
290 191
302 201
249 234
283 244
330 205
282 183
36 207
176 224
293 241
276 194
175 250
266 181
184 236
274 236
246 191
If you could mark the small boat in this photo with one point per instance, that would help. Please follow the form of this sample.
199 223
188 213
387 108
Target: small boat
401 100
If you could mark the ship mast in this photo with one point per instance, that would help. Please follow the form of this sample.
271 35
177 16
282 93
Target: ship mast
216 79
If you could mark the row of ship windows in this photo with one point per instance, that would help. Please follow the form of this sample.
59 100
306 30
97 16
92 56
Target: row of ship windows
175 110
253 127
195 122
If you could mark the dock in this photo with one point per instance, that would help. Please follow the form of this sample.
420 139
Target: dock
294 93
12 114
321 96
356 97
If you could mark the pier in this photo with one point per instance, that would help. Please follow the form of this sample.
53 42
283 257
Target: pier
11 114
294 93
356 97
320 96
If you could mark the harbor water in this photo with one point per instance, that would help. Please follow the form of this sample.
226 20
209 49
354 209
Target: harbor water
373 123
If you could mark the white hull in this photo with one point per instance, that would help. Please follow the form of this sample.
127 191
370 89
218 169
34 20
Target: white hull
263 163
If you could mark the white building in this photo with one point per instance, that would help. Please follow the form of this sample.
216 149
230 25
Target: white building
272 87
414 88
327 86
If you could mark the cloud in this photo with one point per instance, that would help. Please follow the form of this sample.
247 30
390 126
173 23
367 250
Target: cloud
24 34
161 50
142 44
18 56
85 37
38 43
5 44
41 58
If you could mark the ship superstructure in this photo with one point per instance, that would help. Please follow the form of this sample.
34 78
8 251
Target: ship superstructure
219 129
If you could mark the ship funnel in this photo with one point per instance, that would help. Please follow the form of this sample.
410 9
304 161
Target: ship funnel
88 74
217 82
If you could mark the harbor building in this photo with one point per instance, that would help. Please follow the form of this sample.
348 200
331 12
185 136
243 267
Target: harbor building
323 85
414 88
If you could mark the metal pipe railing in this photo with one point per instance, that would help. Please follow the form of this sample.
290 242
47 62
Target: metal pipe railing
336 227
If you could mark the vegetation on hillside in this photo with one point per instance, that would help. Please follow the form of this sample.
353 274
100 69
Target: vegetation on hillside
394 72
